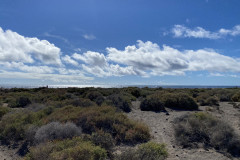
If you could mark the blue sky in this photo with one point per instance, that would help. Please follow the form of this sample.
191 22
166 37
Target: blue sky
155 42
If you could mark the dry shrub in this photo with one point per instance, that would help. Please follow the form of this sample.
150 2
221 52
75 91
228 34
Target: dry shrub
74 149
56 130
152 104
104 118
161 99
3 111
120 102
147 151
202 128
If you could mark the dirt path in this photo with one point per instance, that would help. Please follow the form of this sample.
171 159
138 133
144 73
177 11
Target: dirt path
161 128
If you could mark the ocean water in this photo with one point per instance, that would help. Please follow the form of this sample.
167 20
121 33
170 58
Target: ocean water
112 86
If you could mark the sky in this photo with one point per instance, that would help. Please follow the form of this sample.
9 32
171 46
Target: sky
120 42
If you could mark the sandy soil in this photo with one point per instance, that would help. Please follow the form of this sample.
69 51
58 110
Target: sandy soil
161 128
8 153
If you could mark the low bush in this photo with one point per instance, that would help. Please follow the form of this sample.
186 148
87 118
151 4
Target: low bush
120 102
3 111
80 102
20 102
179 101
159 100
225 95
209 101
56 130
202 128
14 125
95 96
74 149
134 91
147 151
102 139
236 97
152 104
103 118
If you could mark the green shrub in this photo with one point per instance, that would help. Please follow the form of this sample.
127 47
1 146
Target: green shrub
95 96
102 139
225 95
179 101
152 104
104 118
212 101
202 128
3 111
80 102
20 102
120 102
236 97
74 149
133 91
208 101
152 151
14 125
147 151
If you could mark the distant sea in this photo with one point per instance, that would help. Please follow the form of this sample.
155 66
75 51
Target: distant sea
113 86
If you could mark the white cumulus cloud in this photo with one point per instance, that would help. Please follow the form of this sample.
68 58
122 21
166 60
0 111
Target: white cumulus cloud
199 32
149 57
15 47
69 60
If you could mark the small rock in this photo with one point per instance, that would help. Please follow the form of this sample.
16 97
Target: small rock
167 114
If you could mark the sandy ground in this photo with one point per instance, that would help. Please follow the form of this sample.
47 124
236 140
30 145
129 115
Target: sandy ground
8 154
161 128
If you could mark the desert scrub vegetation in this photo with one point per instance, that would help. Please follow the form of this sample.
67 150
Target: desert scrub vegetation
73 149
202 129
236 97
102 139
179 101
105 118
14 125
120 101
3 111
205 99
146 151
152 104
56 130
96 97
20 102
159 100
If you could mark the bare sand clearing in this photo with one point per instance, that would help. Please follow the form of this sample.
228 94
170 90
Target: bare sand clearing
161 128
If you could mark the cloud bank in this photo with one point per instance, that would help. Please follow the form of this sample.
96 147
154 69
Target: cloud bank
14 47
31 58
147 58
180 31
